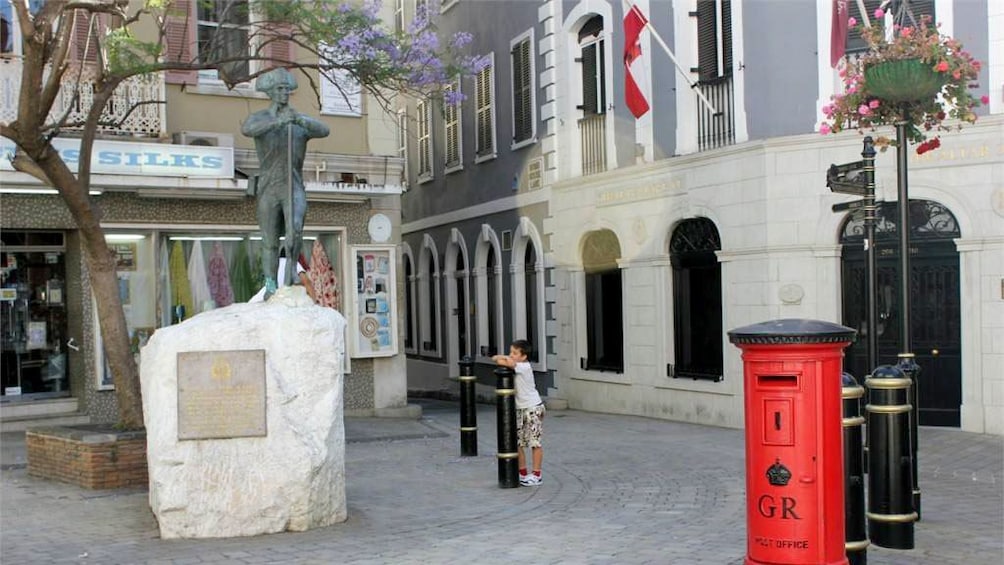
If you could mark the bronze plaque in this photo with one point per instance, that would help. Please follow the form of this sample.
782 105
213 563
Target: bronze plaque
221 394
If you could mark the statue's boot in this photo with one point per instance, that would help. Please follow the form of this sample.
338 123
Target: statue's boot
270 287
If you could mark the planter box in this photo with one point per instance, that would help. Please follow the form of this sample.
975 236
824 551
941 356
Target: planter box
90 456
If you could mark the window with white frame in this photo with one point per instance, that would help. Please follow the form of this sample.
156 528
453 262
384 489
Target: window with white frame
402 143
398 16
424 108
604 308
488 309
453 131
222 32
524 119
484 102
593 45
714 39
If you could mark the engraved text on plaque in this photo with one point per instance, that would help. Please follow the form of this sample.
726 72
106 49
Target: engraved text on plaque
221 394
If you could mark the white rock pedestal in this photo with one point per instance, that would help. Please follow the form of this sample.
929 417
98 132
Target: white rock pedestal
292 478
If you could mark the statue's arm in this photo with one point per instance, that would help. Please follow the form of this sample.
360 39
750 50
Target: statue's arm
259 123
315 128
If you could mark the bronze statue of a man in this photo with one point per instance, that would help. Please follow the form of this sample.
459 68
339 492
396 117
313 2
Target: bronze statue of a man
280 137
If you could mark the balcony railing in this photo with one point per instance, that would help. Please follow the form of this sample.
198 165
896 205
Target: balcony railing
593 131
136 108
716 129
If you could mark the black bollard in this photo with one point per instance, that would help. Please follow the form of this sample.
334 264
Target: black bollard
505 391
890 485
468 409
855 534
907 364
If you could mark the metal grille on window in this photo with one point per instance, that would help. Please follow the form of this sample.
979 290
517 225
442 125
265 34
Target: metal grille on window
522 96
714 57
483 96
451 120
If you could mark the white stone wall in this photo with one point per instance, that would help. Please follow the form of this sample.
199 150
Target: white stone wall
780 258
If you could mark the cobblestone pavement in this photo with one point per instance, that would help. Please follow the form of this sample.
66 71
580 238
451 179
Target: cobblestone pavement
617 490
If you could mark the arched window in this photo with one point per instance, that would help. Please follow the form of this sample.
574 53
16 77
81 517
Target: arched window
697 300
528 290
460 284
489 293
428 297
409 303
604 302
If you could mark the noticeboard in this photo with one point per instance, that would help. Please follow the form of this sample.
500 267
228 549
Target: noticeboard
374 319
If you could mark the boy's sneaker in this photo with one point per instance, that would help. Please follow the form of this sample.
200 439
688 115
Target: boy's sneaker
530 480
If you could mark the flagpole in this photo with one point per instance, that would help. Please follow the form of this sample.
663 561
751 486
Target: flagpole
683 72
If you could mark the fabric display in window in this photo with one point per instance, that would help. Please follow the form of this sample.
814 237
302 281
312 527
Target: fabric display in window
323 278
219 278
201 297
244 286
163 284
181 292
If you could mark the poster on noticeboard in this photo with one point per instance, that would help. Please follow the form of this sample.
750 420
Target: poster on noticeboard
374 320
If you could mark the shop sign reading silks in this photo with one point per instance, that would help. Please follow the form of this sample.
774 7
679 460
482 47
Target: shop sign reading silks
147 159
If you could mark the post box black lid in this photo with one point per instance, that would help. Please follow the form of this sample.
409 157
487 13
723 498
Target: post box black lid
792 330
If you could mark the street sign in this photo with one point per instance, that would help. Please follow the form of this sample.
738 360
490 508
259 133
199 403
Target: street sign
848 178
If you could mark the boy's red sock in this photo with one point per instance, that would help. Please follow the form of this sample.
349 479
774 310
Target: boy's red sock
522 472
537 473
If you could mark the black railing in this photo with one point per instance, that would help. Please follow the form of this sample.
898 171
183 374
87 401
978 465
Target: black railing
718 128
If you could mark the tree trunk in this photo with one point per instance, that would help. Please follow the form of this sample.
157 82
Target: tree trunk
101 263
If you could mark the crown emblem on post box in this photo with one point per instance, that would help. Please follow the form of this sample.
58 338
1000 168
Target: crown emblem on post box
778 474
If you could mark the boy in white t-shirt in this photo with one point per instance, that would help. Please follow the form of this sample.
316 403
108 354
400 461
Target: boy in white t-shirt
529 410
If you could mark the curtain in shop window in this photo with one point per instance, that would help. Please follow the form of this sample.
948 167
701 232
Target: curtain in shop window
163 287
181 292
219 278
323 278
201 297
243 281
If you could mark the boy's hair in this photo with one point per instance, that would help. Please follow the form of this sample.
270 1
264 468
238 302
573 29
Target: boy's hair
524 346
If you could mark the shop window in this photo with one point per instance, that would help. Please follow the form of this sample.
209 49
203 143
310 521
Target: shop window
604 303
33 316
697 300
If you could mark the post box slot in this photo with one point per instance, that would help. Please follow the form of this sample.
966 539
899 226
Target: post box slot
777 381
777 422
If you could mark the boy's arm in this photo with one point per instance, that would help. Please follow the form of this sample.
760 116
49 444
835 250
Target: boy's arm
504 360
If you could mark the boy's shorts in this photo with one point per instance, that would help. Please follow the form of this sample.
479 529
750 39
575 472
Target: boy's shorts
529 426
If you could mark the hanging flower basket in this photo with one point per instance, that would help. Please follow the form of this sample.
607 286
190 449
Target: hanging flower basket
903 80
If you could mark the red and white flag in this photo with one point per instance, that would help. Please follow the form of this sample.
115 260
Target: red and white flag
838 31
634 22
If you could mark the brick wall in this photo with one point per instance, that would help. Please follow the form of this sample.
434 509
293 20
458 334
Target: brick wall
90 460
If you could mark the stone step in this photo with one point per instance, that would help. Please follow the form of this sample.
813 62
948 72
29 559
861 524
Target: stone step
19 416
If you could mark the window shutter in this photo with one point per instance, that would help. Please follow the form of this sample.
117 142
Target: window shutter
451 120
484 117
707 40
179 29
854 41
522 96
84 28
726 38
589 80
279 51
923 8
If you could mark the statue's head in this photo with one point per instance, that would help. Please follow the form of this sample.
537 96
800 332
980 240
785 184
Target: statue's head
276 77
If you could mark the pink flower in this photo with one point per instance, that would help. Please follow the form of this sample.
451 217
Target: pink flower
985 99
874 103
906 31
824 129
852 21
864 110
879 14
941 66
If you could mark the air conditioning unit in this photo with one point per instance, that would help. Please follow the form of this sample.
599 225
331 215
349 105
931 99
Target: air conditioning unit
204 138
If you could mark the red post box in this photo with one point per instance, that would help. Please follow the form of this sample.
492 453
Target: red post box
794 432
